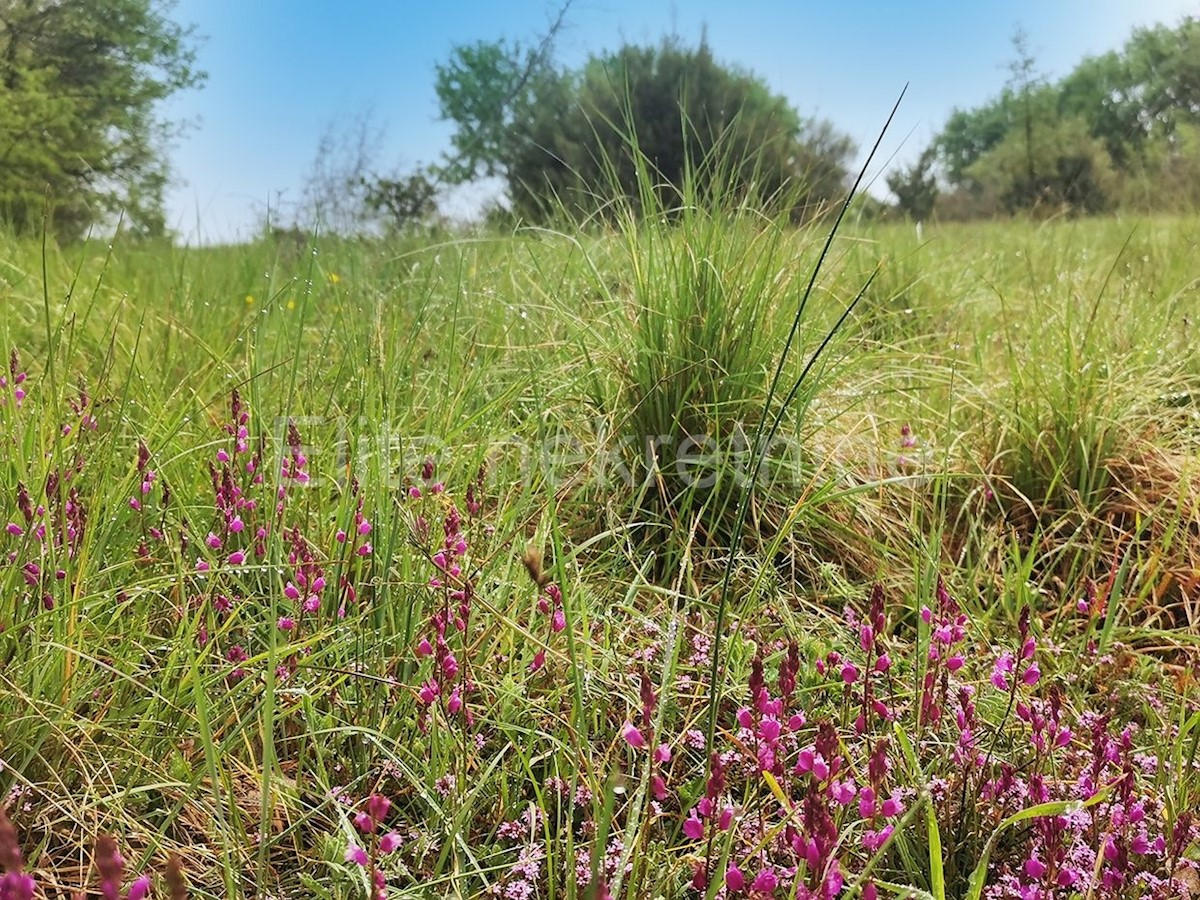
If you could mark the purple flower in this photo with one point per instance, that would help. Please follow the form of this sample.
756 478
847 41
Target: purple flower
632 736
1031 675
842 791
378 807
734 879
765 883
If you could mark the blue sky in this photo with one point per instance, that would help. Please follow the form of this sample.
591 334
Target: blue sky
283 72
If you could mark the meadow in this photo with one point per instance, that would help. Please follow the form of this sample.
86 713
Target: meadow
630 562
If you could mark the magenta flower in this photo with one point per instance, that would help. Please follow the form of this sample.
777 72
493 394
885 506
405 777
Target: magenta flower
1031 675
694 828
632 736
1000 670
765 883
892 806
140 889
734 879
357 855
428 692
842 792
378 807
389 842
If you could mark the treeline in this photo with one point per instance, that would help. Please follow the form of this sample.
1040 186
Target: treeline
642 127
81 141
1121 131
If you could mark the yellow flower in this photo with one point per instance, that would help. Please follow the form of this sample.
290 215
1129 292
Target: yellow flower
334 277
291 304
249 299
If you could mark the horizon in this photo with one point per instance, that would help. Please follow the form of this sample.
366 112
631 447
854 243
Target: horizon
282 75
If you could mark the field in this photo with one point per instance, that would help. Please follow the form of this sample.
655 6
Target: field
621 563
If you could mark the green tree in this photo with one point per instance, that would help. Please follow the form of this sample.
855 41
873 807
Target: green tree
401 201
635 118
915 186
80 82
1061 167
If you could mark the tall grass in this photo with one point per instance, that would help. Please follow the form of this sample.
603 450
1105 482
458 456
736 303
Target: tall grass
153 692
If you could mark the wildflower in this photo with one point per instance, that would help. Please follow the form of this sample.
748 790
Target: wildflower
1000 669
1031 675
378 807
849 673
14 883
765 883
734 879
842 791
632 736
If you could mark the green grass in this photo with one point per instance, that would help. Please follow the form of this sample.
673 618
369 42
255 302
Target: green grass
1046 372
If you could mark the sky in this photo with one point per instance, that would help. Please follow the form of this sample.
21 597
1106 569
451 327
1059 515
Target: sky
283 73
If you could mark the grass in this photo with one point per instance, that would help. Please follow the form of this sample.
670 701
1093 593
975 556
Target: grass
511 639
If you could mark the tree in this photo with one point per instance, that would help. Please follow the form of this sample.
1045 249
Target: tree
401 201
915 187
1122 121
80 81
487 89
635 124
1061 167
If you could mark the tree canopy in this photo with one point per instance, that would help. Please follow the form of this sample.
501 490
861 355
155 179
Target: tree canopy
80 82
629 124
1118 126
